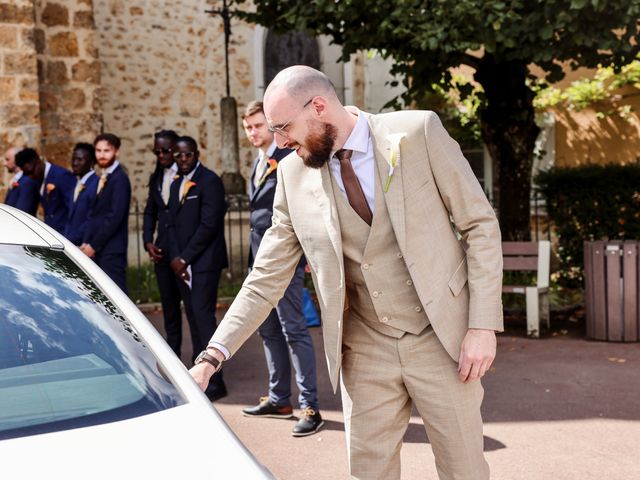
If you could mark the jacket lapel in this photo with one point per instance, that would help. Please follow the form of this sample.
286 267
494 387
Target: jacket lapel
320 184
252 188
394 196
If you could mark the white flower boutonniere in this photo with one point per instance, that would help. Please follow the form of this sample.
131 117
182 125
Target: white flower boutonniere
394 158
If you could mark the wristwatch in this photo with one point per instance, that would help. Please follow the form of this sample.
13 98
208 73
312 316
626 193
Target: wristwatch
204 356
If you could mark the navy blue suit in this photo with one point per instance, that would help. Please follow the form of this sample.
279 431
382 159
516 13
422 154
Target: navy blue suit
24 196
108 226
156 218
284 333
57 197
80 210
197 235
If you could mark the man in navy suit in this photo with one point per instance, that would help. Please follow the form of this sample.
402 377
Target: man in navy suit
56 187
156 222
23 191
107 234
84 193
284 333
198 250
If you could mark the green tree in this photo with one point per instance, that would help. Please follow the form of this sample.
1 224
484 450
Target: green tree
499 39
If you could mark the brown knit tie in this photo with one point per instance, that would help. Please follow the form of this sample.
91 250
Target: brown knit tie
355 195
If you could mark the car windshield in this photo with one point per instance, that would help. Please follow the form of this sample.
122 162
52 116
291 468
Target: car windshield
68 357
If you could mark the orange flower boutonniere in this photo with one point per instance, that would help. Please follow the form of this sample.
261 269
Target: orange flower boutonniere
273 165
50 187
187 187
15 185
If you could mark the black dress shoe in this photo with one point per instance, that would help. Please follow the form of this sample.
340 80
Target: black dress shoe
216 393
267 409
310 422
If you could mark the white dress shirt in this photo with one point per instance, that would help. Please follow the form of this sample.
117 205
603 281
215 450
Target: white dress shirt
80 182
262 163
15 178
47 167
167 178
362 160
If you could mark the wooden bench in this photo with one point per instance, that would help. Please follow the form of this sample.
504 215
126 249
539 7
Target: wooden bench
530 257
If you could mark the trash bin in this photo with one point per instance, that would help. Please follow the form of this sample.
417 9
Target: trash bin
612 290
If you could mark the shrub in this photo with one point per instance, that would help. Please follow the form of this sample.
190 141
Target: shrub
593 202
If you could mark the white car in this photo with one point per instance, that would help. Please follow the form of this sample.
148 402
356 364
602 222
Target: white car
88 387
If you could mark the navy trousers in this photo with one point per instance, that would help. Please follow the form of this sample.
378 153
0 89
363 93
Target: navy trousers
114 265
200 303
287 341
170 298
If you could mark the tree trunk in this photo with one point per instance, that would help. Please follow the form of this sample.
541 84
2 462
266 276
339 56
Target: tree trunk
508 127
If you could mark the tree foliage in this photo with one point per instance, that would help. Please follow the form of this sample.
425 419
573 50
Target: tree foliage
499 39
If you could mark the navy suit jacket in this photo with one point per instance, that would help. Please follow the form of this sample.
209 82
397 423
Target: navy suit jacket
196 225
57 197
108 226
25 196
80 210
261 203
156 214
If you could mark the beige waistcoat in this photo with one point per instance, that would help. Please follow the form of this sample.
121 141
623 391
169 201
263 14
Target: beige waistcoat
379 287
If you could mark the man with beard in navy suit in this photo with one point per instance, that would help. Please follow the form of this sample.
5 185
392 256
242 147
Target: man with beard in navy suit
284 333
23 191
156 222
84 193
197 247
56 187
107 234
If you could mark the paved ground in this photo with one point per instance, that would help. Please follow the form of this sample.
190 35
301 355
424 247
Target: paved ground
557 408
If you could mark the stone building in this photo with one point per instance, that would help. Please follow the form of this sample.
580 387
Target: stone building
70 69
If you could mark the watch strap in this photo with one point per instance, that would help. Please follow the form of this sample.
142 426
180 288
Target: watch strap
206 357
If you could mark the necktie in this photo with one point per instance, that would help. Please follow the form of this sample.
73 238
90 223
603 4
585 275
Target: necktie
102 182
76 191
166 185
352 186
260 169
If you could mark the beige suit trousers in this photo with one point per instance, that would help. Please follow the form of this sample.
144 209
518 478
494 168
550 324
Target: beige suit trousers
380 380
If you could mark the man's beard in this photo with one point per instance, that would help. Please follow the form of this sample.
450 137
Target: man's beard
319 144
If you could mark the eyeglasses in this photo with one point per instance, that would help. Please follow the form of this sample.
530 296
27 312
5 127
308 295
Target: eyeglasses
159 151
281 129
177 155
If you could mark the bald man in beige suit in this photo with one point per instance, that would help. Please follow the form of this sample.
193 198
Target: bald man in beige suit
404 251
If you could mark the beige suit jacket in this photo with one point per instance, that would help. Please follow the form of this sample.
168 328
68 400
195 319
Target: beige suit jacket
446 230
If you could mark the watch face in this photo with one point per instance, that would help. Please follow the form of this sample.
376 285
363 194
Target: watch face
199 357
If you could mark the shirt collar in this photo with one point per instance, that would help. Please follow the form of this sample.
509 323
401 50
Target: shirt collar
109 170
17 176
190 175
272 148
86 176
358 141
173 168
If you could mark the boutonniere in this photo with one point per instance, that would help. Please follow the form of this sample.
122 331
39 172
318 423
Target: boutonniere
187 187
394 159
50 187
82 188
15 185
273 165
175 177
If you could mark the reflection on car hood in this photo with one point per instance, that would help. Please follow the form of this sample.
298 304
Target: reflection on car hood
182 442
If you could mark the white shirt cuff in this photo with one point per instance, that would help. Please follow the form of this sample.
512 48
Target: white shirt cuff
220 347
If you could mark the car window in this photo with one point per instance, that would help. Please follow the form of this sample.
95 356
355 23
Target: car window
68 357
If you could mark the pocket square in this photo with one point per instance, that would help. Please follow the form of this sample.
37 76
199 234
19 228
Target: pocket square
191 197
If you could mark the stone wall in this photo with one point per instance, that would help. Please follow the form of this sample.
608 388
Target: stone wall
163 68
19 105
69 73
